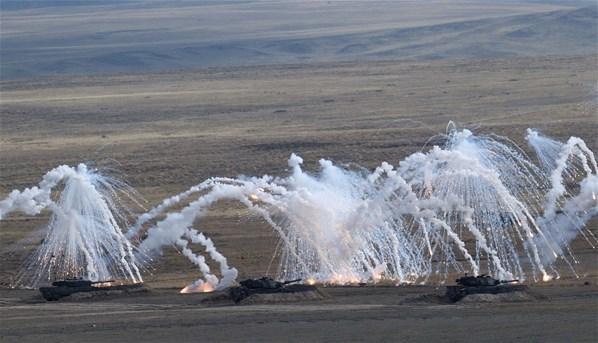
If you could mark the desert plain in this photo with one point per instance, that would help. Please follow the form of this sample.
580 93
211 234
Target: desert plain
165 130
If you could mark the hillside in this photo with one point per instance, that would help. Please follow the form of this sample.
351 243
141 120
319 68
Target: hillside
140 36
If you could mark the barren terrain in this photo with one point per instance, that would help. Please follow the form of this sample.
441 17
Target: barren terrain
112 84
154 35
349 314
167 131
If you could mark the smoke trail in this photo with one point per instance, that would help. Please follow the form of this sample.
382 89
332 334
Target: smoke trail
487 177
33 200
177 225
569 203
474 204
477 204
83 238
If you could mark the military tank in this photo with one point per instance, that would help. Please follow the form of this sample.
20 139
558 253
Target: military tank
481 284
64 288
265 285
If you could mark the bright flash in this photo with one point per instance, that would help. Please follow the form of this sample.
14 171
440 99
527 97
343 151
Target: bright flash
311 281
202 288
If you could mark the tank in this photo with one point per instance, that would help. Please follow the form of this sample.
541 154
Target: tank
77 283
481 284
265 285
64 288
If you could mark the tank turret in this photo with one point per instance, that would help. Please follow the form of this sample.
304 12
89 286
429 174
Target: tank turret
480 284
78 283
481 281
264 285
64 288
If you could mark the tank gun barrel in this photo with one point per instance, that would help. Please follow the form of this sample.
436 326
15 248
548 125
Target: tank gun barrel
291 281
105 281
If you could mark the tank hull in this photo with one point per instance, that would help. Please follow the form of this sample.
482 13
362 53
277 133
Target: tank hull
239 293
456 293
54 293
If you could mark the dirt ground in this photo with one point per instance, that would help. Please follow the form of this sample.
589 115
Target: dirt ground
165 132
349 314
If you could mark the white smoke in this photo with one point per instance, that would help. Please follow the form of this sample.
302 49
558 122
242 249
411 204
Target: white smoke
404 224
83 236
569 203
476 204
33 200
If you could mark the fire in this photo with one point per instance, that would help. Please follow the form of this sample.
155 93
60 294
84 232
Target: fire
255 197
377 277
311 281
200 288
340 279
546 278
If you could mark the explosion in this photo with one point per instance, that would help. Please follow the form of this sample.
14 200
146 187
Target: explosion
347 226
84 236
343 225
